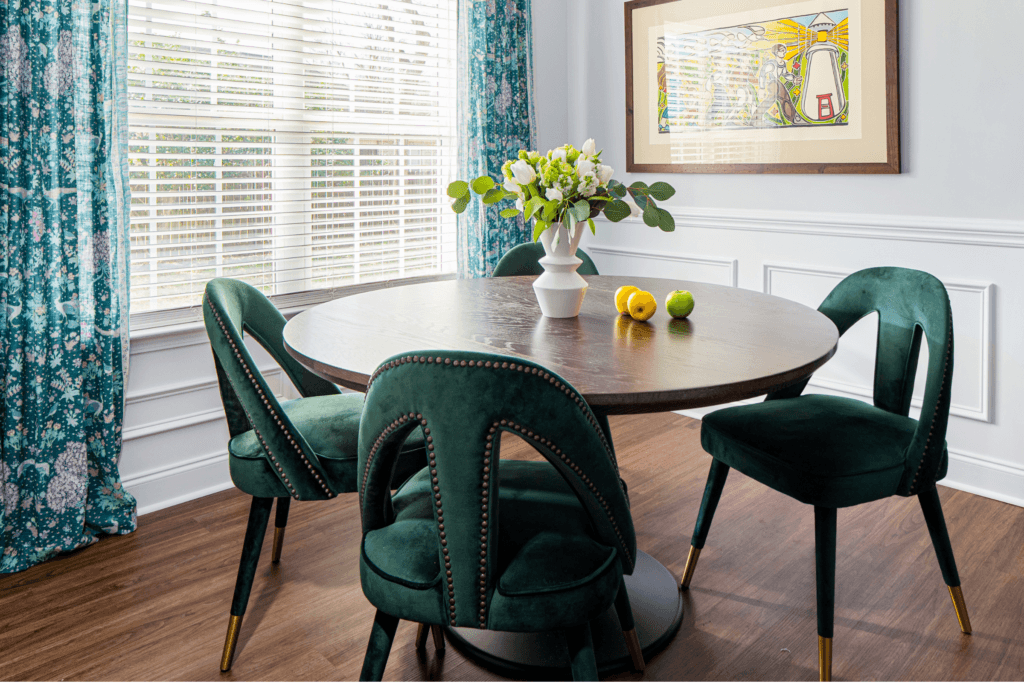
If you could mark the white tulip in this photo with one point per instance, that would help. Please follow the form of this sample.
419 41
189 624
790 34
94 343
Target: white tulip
634 210
519 203
604 173
553 195
589 148
585 167
511 185
523 172
560 153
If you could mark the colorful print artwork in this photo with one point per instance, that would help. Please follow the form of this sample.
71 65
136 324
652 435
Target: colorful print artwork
778 73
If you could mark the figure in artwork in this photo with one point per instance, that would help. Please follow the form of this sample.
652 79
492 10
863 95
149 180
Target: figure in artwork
778 73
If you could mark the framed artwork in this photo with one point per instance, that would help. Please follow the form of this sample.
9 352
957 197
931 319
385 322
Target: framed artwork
762 86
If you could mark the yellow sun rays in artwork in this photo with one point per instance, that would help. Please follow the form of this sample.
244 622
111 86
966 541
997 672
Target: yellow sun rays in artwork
797 37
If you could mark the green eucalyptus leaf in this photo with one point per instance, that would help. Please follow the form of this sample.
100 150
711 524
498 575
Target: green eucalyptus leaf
538 228
581 210
651 215
494 195
616 211
510 213
641 200
461 203
662 191
665 221
483 184
593 228
638 185
458 189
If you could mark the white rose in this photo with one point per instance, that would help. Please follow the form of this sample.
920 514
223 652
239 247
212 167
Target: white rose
554 195
589 148
585 167
634 210
604 173
560 153
588 186
523 172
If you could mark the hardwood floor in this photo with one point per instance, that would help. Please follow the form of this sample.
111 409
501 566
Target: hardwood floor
154 605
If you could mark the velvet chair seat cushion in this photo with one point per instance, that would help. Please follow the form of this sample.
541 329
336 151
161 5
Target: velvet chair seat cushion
822 450
547 576
330 425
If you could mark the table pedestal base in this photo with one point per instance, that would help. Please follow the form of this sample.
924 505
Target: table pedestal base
657 610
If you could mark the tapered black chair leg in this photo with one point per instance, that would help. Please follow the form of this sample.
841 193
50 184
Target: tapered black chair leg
936 522
259 516
382 635
582 660
280 522
825 561
712 494
625 612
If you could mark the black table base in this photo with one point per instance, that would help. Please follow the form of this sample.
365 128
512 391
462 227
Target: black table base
657 609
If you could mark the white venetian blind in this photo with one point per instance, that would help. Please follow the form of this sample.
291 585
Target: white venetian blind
299 145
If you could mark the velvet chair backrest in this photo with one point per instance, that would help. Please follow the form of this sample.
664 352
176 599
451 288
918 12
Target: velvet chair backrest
464 401
230 309
908 303
524 259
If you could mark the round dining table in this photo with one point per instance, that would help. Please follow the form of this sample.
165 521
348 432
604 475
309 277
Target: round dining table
736 344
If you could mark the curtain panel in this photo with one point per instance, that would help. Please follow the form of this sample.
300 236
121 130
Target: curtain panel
63 275
495 120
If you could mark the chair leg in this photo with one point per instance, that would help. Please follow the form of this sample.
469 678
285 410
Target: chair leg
625 613
259 516
280 522
422 630
825 561
382 635
712 494
438 635
933 517
582 660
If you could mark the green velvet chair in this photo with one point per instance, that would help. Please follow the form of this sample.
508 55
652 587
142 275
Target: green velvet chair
303 449
524 259
475 541
833 452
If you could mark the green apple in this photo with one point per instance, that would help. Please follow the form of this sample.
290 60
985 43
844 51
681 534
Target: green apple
679 303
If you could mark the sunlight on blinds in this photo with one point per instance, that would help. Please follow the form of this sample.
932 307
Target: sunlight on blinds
295 144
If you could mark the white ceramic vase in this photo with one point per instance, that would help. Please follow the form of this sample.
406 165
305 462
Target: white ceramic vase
560 289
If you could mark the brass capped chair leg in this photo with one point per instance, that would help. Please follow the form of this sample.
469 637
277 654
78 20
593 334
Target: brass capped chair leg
421 636
275 554
636 653
234 626
438 634
824 659
961 608
691 564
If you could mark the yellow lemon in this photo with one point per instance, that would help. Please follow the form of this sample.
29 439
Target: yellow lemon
642 305
622 298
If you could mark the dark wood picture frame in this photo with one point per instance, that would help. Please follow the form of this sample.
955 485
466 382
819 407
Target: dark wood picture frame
892 107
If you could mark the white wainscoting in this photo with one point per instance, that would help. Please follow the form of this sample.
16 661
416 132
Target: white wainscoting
624 261
175 435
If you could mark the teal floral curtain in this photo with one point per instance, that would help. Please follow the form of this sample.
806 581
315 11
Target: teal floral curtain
496 119
63 275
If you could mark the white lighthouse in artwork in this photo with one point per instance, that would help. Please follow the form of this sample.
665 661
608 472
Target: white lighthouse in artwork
823 98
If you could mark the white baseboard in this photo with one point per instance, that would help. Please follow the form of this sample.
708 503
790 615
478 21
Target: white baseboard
179 483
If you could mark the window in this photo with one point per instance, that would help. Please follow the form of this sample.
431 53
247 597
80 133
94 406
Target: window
298 145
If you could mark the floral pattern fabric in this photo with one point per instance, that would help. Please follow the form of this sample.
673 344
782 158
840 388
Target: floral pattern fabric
63 275
496 119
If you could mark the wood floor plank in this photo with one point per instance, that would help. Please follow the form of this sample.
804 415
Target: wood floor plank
153 605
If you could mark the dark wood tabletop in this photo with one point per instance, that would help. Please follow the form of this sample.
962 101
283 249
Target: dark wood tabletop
736 344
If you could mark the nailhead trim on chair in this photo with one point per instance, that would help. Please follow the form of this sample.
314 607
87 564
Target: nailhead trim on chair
447 362
273 413
931 429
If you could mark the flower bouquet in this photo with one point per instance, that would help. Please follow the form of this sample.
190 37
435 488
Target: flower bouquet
560 192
